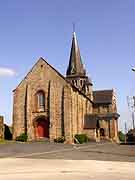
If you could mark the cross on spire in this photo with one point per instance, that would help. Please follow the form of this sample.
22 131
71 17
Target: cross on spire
73 27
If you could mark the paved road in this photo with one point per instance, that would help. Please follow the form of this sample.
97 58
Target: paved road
44 161
91 151
42 169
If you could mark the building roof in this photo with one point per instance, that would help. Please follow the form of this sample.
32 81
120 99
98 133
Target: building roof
103 96
90 121
42 59
75 67
108 115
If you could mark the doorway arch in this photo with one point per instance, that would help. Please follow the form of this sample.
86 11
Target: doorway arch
41 125
102 132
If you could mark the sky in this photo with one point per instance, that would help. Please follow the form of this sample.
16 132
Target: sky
105 31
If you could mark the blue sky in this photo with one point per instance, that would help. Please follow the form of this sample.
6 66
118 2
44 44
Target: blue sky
106 35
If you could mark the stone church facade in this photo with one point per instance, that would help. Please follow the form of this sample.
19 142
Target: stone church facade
48 105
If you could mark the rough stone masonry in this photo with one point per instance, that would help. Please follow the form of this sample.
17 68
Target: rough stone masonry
48 105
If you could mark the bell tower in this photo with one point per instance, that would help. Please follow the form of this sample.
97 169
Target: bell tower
76 73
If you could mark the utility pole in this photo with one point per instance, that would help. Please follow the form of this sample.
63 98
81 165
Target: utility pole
133 117
133 107
125 132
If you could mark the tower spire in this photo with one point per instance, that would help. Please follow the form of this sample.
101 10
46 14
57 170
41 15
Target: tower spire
76 73
75 66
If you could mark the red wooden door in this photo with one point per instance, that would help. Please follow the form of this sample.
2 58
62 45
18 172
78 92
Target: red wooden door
43 129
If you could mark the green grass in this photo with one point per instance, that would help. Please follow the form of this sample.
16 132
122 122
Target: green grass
3 141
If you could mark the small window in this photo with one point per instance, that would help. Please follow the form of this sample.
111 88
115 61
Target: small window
81 82
40 101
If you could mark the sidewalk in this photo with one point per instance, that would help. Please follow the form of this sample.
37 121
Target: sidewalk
42 169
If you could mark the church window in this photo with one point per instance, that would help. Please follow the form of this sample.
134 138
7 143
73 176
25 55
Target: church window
40 101
81 82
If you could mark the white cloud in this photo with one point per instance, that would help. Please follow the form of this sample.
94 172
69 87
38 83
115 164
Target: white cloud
6 72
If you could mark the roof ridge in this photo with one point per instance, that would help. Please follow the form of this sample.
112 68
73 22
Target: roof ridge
41 58
103 90
64 78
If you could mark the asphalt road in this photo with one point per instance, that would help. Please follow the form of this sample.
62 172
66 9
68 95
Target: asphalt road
50 161
91 151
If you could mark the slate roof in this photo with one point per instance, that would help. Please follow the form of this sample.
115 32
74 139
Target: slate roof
75 66
108 115
90 122
42 59
103 96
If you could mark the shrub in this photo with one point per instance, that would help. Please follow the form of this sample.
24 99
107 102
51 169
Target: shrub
81 138
59 139
7 132
23 137
131 135
121 136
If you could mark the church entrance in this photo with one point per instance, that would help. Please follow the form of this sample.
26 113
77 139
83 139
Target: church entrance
102 133
42 128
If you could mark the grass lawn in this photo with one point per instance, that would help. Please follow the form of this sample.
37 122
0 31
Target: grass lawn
3 141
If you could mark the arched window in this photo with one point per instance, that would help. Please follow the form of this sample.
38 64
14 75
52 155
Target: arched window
81 82
40 96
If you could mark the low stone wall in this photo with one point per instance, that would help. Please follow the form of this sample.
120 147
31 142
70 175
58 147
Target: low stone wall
91 133
1 127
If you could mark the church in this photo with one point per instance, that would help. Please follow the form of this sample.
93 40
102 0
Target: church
48 105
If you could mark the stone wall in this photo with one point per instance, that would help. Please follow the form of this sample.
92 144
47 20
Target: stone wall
91 133
102 109
109 124
56 110
41 77
65 106
114 129
1 127
76 108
